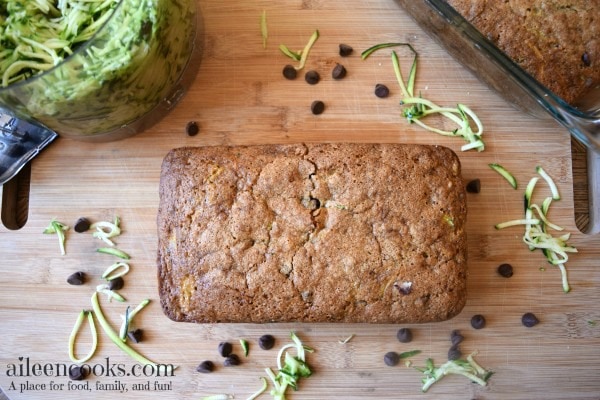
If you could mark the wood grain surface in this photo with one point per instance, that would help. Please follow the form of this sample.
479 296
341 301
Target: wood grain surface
240 97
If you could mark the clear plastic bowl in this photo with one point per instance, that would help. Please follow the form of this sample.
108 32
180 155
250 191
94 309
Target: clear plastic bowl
111 86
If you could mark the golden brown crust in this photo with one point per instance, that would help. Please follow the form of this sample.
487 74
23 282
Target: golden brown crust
555 41
313 233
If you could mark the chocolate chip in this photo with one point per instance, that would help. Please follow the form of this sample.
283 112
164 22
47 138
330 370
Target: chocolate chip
456 338
529 320
76 278
586 59
266 342
478 321
339 71
505 270
77 373
289 72
474 186
454 353
391 358
312 77
317 107
206 367
404 287
116 284
404 335
192 128
345 50
136 335
82 225
225 349
381 90
232 360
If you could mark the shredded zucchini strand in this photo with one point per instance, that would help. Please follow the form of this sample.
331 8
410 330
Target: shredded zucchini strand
75 331
37 30
416 107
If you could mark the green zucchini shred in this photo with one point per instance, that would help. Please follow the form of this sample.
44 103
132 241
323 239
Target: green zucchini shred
505 174
538 227
292 369
415 108
59 229
263 28
468 368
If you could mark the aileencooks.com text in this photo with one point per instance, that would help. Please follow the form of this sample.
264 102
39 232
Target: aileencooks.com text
26 367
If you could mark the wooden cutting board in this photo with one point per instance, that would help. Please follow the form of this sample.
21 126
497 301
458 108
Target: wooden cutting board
240 97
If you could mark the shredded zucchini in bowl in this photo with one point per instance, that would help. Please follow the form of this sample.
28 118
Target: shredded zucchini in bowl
88 67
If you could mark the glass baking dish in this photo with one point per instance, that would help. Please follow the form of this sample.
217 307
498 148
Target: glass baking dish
472 49
476 52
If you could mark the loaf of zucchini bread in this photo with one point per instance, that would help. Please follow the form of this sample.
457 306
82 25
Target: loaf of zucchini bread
371 233
556 41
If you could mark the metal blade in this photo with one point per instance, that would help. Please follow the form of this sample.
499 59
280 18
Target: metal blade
20 141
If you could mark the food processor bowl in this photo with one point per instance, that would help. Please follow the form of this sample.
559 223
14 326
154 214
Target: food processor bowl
129 73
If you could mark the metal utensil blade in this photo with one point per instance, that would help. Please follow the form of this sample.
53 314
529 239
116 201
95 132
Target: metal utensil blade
20 141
